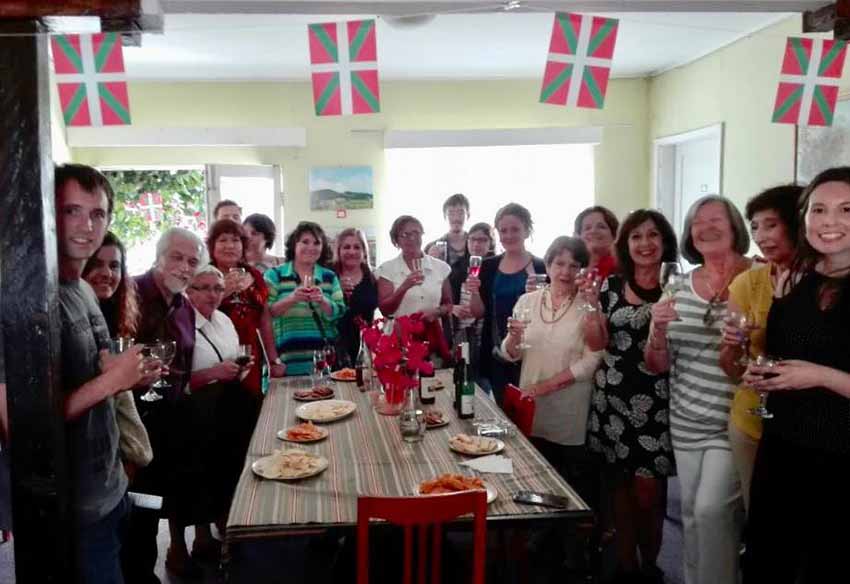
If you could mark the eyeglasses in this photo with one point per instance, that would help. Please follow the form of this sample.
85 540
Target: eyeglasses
215 289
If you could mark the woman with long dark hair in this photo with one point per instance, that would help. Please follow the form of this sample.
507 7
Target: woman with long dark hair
106 272
801 471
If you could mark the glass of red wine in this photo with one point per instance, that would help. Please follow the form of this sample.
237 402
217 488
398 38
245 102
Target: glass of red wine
474 265
767 363
319 365
243 356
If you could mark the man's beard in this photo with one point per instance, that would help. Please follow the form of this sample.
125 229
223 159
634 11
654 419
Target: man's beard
173 284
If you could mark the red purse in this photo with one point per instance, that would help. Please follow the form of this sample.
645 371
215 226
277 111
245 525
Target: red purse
519 408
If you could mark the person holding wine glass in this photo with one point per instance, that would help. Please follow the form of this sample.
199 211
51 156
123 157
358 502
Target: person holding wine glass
557 364
502 280
245 300
774 225
359 288
638 457
685 340
597 227
414 282
305 300
804 452
165 315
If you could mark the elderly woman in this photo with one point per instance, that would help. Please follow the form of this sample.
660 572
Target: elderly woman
208 471
261 232
557 366
245 298
629 419
804 452
305 300
502 280
358 286
597 227
774 225
685 339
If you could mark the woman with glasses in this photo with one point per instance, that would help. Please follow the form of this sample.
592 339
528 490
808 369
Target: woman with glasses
685 340
502 280
801 478
629 420
305 300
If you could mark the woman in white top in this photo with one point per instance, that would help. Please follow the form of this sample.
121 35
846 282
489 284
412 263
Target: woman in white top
558 366
206 472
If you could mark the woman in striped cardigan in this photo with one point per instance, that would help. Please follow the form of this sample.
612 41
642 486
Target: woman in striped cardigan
304 313
685 339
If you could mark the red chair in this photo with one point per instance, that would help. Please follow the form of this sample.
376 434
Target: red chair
431 511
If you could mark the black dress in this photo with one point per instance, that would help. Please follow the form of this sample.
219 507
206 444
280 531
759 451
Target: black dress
630 409
361 305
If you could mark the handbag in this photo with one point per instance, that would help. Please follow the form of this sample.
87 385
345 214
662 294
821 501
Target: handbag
519 408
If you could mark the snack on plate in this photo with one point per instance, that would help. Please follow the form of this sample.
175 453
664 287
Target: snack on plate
345 374
473 444
306 431
325 411
434 418
292 464
436 385
450 483
315 393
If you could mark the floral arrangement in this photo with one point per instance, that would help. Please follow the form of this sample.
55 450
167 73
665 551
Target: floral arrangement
400 354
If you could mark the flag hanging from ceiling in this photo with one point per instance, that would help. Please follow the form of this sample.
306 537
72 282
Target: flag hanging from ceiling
581 51
344 60
91 80
809 81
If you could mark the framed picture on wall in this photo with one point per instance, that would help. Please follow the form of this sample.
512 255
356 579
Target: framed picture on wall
820 148
371 242
341 187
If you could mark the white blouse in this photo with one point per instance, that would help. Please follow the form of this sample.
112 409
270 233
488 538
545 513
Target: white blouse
221 333
427 295
557 343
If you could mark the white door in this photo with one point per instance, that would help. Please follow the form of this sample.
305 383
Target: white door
255 188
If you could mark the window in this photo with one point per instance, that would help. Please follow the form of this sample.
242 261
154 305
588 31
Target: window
254 188
554 182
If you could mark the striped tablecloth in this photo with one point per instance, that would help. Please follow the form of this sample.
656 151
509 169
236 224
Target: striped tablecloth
368 457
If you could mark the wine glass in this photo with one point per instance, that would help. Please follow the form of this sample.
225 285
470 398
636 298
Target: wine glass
747 325
522 315
761 410
474 265
670 278
164 353
237 298
591 278
319 365
307 281
120 344
243 356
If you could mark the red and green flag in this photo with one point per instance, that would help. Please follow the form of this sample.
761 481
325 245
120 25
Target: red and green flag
581 51
809 81
344 63
91 80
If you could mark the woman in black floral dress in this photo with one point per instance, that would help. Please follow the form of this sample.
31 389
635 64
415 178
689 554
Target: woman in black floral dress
629 415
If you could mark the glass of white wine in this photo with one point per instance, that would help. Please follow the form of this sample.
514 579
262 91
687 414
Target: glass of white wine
522 315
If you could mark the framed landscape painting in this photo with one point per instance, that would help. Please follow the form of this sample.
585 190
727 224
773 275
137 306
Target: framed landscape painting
341 187
821 148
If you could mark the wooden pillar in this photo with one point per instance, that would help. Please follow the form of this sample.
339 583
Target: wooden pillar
44 536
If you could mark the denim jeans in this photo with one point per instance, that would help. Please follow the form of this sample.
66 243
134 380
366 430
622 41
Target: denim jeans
99 547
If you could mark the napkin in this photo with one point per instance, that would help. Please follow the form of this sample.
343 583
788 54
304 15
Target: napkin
495 463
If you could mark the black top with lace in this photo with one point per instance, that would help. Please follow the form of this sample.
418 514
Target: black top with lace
630 410
797 328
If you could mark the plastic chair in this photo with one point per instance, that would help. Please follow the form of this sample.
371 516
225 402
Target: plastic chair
423 512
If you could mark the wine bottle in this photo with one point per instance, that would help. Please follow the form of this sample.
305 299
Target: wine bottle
362 366
426 394
459 372
467 394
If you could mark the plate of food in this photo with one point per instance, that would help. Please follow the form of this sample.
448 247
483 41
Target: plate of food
475 445
435 385
289 465
435 419
304 432
314 393
326 411
344 374
456 483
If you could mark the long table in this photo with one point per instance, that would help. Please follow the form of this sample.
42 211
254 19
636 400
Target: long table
368 457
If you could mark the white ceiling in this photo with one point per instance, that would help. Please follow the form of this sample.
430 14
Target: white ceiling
452 46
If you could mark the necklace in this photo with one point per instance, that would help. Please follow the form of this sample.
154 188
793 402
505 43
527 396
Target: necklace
563 309
713 312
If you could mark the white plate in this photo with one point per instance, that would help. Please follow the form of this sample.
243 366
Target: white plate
339 376
282 435
442 424
492 493
264 468
328 410
498 448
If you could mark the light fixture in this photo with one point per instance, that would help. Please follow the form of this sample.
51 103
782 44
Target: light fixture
511 5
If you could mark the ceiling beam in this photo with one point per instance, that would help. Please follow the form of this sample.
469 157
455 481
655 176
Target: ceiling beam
832 18
34 9
411 7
